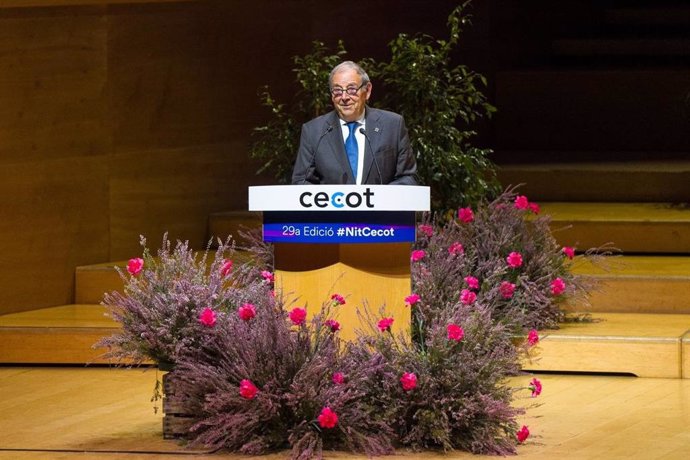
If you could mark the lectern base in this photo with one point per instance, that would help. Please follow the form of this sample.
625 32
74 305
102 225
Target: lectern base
374 275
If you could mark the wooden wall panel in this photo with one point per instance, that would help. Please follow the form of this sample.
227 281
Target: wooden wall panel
52 81
163 77
172 190
54 147
180 138
54 218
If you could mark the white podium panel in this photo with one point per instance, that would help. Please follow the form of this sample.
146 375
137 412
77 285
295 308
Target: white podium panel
339 198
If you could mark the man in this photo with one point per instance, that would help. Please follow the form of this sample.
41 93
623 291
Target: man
354 143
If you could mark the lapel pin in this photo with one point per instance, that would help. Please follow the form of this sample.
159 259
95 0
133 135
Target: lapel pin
376 130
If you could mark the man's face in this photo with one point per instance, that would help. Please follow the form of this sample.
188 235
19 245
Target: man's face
350 108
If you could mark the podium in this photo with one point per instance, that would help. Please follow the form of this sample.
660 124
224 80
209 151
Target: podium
352 240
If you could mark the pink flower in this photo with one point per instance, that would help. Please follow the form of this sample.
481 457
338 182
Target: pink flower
417 255
226 268
456 249
327 418
534 207
467 297
455 332
408 381
338 378
427 230
507 289
298 316
472 282
385 324
569 252
465 215
533 337
268 276
337 300
514 259
535 387
247 389
207 317
332 324
134 266
557 286
523 434
412 299
247 312
521 202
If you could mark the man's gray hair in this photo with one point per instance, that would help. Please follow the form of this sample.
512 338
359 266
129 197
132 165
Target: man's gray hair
347 65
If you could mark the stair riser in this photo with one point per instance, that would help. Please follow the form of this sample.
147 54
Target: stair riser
52 345
638 295
93 282
686 357
593 110
627 47
602 186
91 285
222 225
647 17
630 237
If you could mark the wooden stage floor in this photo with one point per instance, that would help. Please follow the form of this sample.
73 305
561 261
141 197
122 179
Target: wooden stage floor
100 413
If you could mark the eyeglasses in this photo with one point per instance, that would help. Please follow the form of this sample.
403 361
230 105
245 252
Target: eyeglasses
350 90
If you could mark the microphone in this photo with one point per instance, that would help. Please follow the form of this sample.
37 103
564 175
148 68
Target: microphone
316 149
376 163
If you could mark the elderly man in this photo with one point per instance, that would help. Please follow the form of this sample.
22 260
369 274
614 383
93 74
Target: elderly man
354 144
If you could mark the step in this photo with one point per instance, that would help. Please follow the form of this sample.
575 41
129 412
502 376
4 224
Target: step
668 16
616 47
223 224
93 281
637 284
593 110
685 350
631 227
646 345
611 181
55 335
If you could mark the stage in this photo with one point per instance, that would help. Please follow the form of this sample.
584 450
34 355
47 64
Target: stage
100 413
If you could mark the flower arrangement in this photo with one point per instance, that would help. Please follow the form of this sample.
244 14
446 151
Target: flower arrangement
258 374
169 301
270 383
500 254
448 392
273 382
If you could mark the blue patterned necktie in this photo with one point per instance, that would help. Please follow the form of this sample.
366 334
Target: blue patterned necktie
352 149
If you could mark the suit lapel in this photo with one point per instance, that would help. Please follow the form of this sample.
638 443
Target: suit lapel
373 130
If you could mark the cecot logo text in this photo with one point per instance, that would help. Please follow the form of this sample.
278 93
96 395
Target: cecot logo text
337 199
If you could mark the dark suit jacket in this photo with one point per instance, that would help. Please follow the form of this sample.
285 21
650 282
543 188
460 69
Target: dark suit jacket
322 159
